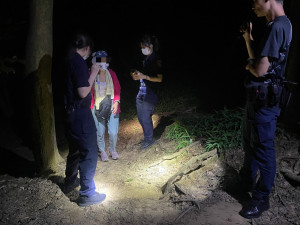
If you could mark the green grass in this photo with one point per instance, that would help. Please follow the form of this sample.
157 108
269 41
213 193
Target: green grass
220 129
179 134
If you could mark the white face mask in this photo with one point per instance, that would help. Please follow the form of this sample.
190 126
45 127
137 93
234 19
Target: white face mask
146 51
103 66
87 53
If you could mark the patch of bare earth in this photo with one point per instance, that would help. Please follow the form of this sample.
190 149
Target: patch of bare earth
156 186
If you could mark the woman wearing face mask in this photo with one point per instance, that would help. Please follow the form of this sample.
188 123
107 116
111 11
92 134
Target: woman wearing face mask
80 126
106 105
149 77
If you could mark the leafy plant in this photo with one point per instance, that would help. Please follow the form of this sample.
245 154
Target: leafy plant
179 134
219 129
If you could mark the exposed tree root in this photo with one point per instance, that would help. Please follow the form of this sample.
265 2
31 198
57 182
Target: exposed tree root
183 213
188 200
176 154
170 157
291 176
193 164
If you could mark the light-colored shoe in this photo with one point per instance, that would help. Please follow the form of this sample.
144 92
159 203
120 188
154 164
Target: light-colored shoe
114 155
104 156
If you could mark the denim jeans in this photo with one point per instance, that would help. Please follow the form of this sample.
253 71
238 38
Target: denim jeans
258 129
113 129
144 112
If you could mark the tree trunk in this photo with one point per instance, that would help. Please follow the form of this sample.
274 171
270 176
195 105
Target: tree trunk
38 71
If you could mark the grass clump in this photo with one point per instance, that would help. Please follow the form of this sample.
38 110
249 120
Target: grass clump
179 134
218 130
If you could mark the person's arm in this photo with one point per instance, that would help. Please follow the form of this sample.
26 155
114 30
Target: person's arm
117 92
137 75
257 67
84 91
158 78
247 35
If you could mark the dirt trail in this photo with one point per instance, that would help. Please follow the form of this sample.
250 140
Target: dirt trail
133 185
134 182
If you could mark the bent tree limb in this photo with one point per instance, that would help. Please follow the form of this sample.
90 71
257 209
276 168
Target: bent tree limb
193 164
173 156
291 176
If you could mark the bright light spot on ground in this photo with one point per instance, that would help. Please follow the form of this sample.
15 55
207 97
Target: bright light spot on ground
105 189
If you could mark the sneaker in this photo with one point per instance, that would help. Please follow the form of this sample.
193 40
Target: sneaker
114 155
97 198
147 144
255 208
68 187
104 156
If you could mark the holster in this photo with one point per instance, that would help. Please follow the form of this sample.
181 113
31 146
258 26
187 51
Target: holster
266 93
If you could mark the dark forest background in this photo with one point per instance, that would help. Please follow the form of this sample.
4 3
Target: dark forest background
200 42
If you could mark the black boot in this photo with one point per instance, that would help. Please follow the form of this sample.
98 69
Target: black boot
255 208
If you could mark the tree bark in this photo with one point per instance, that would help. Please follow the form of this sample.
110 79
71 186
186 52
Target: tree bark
38 69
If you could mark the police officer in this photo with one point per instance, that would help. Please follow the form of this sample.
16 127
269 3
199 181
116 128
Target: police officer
80 126
266 65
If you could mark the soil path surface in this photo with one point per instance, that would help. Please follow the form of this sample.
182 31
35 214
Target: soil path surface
134 188
134 182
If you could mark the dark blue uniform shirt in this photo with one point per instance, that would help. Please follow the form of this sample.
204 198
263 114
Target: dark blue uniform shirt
275 45
80 120
78 75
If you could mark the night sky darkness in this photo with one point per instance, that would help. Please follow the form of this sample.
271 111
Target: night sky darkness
200 41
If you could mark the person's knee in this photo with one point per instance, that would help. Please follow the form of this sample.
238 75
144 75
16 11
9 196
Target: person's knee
113 133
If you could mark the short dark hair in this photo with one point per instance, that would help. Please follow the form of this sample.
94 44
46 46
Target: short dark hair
147 40
82 40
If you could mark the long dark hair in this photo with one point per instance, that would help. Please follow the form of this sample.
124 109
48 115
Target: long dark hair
147 40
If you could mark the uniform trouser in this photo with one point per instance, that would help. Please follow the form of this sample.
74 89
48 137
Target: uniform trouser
144 112
258 129
113 129
82 157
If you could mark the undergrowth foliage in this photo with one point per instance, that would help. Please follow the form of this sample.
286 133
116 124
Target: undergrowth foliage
218 130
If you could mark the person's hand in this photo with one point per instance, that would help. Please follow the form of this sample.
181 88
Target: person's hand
133 74
246 30
95 68
137 75
247 67
114 108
